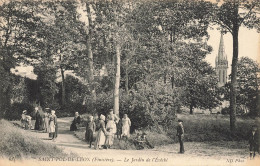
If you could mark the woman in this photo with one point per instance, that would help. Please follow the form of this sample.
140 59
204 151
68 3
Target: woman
46 120
126 123
100 140
53 125
75 122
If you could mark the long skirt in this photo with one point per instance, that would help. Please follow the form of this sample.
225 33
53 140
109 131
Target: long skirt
126 130
52 127
46 124
100 140
56 131
89 135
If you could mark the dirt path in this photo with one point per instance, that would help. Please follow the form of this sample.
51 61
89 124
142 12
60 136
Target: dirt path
195 154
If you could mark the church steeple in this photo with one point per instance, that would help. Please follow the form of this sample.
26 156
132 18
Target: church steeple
221 63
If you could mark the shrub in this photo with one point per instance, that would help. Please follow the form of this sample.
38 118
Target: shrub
16 111
225 111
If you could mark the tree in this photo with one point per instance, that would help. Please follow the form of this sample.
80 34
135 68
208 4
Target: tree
248 84
17 42
231 15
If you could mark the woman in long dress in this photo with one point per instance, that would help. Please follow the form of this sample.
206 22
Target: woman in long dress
46 120
101 138
52 124
111 125
126 123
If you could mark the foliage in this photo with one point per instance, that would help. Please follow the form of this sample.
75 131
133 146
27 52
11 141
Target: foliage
248 84
17 109
46 81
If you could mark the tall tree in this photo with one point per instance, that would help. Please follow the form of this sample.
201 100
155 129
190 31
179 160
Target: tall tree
17 41
231 15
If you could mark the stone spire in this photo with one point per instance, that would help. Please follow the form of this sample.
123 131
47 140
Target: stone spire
221 63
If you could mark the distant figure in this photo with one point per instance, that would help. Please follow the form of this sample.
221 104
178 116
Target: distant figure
109 138
53 126
75 122
46 119
90 131
100 139
253 139
38 119
23 118
119 129
126 123
180 135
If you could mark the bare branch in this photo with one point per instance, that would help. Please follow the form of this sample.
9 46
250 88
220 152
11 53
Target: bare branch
248 14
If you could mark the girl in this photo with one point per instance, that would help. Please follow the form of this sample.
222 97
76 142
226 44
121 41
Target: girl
109 138
90 130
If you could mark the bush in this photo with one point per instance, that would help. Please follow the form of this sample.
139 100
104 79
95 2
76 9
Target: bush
17 109
225 111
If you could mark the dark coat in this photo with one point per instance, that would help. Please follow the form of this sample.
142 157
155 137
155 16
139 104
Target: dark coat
75 121
38 121
253 139
180 130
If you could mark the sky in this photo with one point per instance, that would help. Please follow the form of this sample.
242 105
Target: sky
249 45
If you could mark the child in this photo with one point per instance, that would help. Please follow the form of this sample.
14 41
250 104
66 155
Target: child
28 122
109 137
90 130
253 141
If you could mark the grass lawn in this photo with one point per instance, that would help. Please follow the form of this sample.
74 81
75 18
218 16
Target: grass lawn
19 144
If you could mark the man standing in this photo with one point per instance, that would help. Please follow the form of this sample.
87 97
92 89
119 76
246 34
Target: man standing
253 139
180 134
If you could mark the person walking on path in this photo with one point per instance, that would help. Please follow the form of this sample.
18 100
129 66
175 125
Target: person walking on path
100 140
253 138
126 123
53 126
90 131
38 119
180 135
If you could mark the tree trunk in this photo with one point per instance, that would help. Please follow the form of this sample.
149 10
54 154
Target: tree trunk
63 93
117 80
126 77
233 89
90 60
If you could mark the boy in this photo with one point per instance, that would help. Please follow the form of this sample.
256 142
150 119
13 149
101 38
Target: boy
180 135
253 141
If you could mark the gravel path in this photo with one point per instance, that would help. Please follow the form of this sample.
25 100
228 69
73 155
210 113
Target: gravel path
196 153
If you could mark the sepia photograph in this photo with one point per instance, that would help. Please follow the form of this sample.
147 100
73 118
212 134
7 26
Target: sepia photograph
130 82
